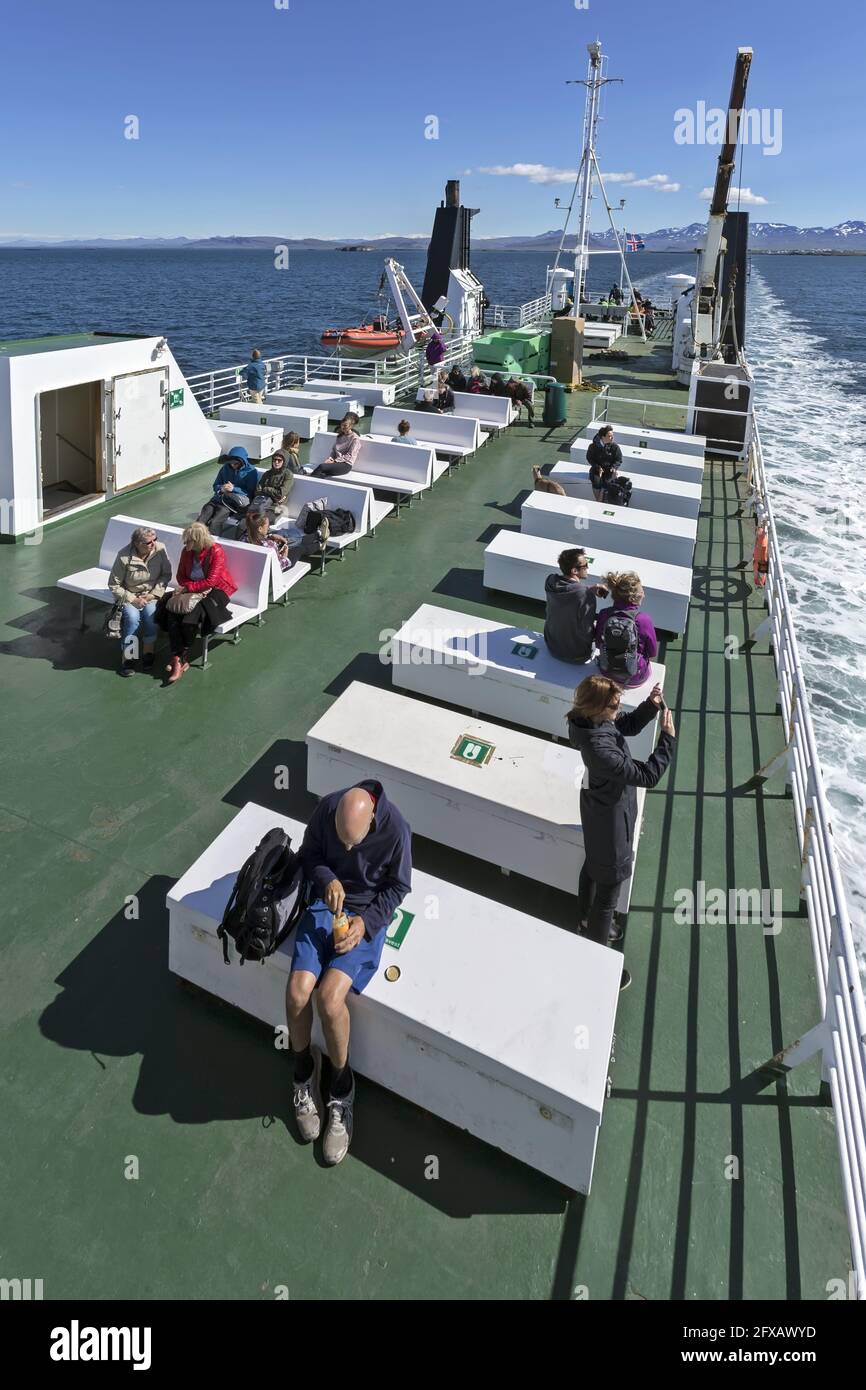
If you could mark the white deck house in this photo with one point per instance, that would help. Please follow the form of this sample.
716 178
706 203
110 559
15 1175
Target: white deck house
86 417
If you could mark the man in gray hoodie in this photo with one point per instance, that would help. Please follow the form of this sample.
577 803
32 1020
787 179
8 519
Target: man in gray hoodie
571 608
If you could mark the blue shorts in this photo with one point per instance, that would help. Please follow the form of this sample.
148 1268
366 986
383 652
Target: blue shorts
314 949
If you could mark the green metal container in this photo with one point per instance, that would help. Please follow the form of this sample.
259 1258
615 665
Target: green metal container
555 408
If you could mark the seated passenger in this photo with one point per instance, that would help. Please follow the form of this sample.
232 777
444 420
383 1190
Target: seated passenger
456 379
444 395
291 447
497 385
477 382
608 798
404 434
201 600
571 609
234 487
139 577
257 531
427 402
357 855
344 452
273 489
626 638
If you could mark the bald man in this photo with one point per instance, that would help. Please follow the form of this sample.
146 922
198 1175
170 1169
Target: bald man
357 854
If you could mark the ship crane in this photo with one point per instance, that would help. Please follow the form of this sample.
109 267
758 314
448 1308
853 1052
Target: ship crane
706 295
418 326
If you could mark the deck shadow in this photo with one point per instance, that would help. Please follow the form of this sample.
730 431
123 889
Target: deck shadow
203 1061
52 633
513 507
468 584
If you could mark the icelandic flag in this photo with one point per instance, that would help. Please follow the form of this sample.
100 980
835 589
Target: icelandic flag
634 243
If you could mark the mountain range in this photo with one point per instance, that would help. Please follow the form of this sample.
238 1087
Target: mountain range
763 236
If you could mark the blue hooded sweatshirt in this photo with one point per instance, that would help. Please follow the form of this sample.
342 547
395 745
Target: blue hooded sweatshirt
246 477
256 376
376 874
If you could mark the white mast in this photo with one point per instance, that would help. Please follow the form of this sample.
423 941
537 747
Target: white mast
593 85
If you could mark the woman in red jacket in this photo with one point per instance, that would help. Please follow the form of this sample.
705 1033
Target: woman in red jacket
204 587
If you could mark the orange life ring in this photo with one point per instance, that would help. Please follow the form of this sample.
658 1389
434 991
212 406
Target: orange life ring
761 557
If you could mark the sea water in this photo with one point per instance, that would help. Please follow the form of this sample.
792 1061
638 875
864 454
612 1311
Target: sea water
805 342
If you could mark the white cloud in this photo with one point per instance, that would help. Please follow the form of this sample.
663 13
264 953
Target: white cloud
743 195
661 182
618 178
536 173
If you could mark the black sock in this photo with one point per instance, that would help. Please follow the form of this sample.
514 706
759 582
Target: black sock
341 1082
303 1066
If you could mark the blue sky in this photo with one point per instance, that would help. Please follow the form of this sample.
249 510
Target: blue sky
309 120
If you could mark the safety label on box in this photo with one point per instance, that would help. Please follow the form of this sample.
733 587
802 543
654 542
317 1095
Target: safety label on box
472 750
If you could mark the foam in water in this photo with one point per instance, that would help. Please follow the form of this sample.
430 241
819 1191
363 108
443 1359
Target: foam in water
812 430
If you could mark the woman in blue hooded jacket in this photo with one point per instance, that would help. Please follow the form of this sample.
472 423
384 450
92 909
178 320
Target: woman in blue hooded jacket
234 488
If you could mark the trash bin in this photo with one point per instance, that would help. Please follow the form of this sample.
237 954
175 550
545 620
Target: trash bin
555 411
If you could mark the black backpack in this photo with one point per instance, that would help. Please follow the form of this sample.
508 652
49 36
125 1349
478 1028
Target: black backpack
618 492
619 646
255 917
340 520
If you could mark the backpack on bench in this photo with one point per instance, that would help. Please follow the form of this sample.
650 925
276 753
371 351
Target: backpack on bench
340 520
618 492
259 914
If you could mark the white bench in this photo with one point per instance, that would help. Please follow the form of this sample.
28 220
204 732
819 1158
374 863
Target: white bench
648 535
337 405
501 1063
339 493
670 441
249 566
684 468
494 669
366 392
648 494
519 564
519 808
304 422
448 434
93 583
491 412
406 470
260 441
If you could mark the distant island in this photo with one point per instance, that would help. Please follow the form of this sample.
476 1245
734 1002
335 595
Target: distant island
845 238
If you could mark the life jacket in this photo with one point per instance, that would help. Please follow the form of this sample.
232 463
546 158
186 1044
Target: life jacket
761 557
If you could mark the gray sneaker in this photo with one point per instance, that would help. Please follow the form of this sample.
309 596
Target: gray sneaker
338 1132
307 1102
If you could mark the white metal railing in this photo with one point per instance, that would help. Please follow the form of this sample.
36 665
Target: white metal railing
517 315
840 1034
405 371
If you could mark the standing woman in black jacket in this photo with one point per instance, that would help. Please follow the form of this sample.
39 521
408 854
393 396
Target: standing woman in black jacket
608 798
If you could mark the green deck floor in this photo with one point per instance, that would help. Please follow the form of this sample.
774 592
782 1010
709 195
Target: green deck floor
113 787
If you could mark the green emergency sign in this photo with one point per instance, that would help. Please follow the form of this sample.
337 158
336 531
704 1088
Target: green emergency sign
472 750
175 398
400 924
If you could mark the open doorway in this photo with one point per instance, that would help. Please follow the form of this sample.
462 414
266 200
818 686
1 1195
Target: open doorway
71 454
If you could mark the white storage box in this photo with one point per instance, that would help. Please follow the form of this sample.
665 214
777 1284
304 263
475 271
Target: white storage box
522 1066
519 564
260 441
648 535
337 405
306 423
671 441
366 392
506 672
509 798
652 462
648 494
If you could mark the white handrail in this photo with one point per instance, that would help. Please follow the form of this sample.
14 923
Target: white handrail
840 1034
405 371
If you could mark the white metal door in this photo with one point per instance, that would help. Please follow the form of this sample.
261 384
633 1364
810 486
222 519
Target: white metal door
139 419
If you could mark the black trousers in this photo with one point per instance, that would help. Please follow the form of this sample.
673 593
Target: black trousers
331 469
596 903
183 628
